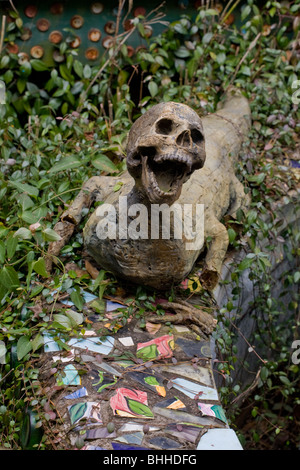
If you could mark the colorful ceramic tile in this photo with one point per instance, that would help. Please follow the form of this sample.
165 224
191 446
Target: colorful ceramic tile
150 381
98 433
90 447
157 348
132 438
183 416
93 344
181 329
153 328
71 376
89 410
192 283
189 432
65 358
131 426
111 306
219 439
199 374
164 443
124 364
81 392
194 348
126 341
102 380
130 403
192 389
119 446
103 365
49 344
172 404
212 410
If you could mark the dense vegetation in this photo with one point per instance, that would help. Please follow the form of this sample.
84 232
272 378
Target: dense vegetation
61 126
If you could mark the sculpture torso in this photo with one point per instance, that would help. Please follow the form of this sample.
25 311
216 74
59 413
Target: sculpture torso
160 263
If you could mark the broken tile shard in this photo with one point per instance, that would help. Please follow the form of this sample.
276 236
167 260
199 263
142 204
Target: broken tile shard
157 348
130 403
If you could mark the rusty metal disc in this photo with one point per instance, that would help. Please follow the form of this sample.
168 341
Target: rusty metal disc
97 8
130 51
43 24
108 42
56 8
55 37
31 11
23 57
91 53
75 42
128 25
12 48
139 11
110 27
58 57
77 21
26 34
37 52
94 35
148 31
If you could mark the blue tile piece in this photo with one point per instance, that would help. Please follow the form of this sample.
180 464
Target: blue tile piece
164 443
117 446
81 392
93 344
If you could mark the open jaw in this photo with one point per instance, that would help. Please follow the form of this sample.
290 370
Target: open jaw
163 176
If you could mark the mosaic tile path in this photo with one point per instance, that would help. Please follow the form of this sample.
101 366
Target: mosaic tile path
138 388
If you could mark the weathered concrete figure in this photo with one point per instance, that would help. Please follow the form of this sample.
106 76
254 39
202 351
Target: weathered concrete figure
173 158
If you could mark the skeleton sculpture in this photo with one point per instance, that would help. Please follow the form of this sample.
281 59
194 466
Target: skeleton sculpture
173 156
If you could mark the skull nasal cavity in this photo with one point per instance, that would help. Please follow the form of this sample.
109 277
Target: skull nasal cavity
164 126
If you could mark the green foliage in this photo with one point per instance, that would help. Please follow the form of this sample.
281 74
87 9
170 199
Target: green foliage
62 125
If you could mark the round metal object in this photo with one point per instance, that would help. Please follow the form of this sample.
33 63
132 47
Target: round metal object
56 9
31 11
23 57
26 34
94 35
55 37
139 11
230 19
128 25
37 52
148 31
75 42
97 8
130 51
91 53
110 27
108 42
43 24
77 21
12 48
58 57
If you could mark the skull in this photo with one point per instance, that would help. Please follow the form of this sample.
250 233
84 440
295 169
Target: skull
165 146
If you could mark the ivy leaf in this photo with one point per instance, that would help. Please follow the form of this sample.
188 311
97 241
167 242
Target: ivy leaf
9 278
103 163
50 235
153 88
66 163
24 346
77 299
39 267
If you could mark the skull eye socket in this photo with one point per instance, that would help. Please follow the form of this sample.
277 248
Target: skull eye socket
164 126
197 137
